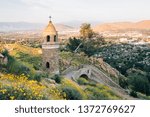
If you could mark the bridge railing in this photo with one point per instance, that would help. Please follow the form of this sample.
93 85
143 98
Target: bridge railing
97 71
69 69
106 78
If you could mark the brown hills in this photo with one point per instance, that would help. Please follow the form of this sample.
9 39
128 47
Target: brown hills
142 25
62 27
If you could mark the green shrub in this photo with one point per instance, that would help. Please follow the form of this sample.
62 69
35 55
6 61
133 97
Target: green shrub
82 81
133 93
18 68
123 82
139 82
57 79
100 92
95 94
92 83
71 84
39 76
71 93
30 59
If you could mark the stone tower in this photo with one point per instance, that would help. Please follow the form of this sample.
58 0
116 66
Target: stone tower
50 49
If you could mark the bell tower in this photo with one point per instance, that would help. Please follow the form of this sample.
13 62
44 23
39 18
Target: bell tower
50 49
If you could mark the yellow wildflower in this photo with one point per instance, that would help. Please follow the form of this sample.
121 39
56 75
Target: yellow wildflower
12 97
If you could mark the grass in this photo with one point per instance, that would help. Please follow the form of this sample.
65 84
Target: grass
27 60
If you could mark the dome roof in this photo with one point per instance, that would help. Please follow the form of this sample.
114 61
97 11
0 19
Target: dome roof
50 29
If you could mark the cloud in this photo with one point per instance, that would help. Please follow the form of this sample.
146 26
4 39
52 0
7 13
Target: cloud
38 3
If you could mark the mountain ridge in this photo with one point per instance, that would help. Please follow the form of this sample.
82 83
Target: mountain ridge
116 26
26 26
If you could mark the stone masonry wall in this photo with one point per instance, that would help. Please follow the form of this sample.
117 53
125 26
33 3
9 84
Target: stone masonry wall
51 56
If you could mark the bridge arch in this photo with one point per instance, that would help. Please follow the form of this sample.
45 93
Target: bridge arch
84 76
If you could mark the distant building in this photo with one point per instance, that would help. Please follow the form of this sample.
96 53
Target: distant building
50 49
123 40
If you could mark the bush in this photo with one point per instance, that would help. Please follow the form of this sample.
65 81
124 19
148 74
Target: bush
100 92
92 83
82 81
56 93
20 88
38 77
35 61
57 79
72 94
139 82
133 93
123 82
18 68
95 94
74 86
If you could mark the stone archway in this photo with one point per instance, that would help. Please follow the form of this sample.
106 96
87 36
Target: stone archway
47 65
84 76
48 38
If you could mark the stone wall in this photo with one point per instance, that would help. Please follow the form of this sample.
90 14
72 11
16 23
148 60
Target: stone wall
51 56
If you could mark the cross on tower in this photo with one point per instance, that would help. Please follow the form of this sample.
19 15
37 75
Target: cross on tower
50 18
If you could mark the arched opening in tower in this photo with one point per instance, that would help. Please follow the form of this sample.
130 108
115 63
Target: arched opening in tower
47 65
48 38
55 38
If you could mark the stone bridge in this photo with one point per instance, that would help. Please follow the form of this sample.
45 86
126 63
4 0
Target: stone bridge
93 73
90 72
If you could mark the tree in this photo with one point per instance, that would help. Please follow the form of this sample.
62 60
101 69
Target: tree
138 81
86 31
73 44
89 47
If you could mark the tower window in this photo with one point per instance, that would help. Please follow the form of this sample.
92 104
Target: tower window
48 38
47 65
55 38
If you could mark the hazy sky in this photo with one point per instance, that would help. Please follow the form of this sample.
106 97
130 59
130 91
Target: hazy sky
74 10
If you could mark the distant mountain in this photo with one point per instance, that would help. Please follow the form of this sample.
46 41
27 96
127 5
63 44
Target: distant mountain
74 23
62 27
25 26
77 23
19 26
142 25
